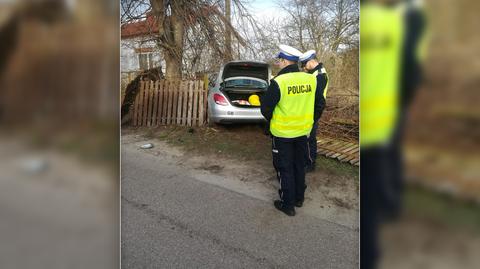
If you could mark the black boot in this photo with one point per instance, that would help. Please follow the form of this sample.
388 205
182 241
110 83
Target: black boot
299 203
279 205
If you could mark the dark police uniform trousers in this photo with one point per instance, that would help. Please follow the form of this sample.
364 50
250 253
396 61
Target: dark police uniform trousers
289 162
312 146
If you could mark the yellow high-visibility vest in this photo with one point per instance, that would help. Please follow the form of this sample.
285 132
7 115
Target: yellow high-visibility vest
323 71
381 43
293 114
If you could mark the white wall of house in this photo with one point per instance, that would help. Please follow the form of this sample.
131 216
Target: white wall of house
130 58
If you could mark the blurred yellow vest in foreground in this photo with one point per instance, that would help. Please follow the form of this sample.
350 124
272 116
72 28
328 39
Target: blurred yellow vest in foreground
381 42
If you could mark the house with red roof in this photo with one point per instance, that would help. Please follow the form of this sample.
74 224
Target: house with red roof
138 49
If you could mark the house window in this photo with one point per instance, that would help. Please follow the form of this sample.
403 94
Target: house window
146 61
143 61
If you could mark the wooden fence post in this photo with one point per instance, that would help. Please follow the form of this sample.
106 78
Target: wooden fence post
145 103
185 102
190 100
136 105
155 104
160 102
165 101
150 103
201 107
174 102
179 102
195 103
205 103
142 103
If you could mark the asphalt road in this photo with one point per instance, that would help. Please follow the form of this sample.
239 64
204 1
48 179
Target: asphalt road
61 216
173 219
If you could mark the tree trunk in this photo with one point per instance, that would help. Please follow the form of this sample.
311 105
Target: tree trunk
173 66
228 34
171 29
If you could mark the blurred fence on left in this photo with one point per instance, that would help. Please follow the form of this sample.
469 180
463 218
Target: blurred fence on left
63 70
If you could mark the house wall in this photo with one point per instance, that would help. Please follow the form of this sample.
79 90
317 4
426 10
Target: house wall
129 60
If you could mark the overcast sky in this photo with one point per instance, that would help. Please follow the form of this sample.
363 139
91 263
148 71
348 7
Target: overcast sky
264 9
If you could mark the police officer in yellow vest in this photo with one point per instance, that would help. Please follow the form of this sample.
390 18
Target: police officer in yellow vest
312 66
292 103
391 40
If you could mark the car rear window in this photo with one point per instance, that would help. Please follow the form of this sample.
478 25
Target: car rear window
255 70
249 83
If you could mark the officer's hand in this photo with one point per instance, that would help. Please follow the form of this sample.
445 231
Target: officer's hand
266 129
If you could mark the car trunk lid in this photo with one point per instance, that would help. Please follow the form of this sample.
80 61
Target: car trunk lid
246 69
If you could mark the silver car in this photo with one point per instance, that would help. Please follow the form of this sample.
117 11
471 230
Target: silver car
229 92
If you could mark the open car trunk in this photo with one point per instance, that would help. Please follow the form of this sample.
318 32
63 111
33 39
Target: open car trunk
243 79
239 97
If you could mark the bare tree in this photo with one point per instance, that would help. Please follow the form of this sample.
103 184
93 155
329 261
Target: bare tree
323 25
176 19
344 26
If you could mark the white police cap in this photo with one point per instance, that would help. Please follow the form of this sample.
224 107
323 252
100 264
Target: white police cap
307 56
289 53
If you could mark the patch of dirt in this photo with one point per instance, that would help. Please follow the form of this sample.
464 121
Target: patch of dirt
326 181
212 168
339 202
416 242
335 189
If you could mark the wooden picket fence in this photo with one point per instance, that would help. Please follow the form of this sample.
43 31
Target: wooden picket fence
168 102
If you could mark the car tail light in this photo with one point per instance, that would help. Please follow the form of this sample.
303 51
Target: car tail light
220 99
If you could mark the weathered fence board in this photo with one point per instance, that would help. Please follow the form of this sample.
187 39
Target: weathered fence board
338 149
155 105
179 104
195 101
146 97
161 104
135 106
170 102
190 100
201 106
140 107
150 103
165 102
185 102
175 103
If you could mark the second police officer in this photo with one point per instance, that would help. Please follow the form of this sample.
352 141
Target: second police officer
312 66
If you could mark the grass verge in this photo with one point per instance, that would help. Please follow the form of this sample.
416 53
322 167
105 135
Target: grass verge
442 209
240 142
